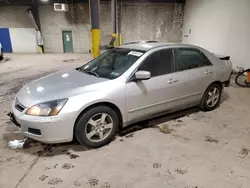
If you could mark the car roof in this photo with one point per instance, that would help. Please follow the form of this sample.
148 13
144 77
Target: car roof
149 46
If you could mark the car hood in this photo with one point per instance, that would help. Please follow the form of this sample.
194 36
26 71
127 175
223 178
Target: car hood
59 85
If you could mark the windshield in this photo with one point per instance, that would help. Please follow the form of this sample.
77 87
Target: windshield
112 63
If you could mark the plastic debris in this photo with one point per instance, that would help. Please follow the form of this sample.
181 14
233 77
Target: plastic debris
15 144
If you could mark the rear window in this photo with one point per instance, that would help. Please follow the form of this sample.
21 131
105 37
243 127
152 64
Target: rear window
191 58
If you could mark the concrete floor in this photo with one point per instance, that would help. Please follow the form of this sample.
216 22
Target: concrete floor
190 149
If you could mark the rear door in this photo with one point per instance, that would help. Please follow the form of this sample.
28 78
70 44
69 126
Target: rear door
194 73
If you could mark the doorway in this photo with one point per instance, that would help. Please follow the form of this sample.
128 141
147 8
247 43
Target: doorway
67 41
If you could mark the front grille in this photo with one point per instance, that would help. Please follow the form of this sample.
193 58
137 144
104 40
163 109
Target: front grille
19 106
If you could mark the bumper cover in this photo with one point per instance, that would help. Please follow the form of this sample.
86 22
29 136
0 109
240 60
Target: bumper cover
13 119
227 83
56 129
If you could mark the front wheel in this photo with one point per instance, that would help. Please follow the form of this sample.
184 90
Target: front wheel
97 126
211 98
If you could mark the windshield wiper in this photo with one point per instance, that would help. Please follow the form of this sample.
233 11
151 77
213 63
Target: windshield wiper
92 72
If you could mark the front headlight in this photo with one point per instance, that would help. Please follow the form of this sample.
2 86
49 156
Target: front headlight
50 108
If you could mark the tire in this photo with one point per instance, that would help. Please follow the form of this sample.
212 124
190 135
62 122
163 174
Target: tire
94 132
1 57
212 103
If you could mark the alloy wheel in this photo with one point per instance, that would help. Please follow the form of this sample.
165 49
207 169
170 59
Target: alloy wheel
213 97
99 127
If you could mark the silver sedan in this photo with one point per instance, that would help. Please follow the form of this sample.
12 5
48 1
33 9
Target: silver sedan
120 87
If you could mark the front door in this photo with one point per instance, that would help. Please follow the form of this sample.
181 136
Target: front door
67 41
157 94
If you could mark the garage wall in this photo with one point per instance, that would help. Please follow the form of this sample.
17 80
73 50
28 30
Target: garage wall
5 40
162 22
22 35
53 23
221 26
23 40
14 17
139 22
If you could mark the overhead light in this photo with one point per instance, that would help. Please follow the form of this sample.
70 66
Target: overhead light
44 0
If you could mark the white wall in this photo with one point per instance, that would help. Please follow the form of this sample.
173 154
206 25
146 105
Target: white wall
23 40
220 26
22 32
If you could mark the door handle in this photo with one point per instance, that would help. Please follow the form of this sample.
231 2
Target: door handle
208 72
171 81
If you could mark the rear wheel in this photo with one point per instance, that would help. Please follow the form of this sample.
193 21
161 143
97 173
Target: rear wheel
1 57
97 126
211 98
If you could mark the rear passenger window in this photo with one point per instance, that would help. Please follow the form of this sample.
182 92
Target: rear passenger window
191 58
159 63
206 60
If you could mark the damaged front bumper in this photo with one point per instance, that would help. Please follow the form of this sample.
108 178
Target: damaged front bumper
13 119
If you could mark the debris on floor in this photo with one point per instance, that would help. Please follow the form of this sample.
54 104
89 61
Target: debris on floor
157 165
73 156
55 181
93 182
244 152
180 171
165 129
5 59
67 166
77 184
210 139
70 60
15 144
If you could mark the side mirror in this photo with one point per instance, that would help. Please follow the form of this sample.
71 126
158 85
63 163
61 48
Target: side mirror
142 75
107 42
109 47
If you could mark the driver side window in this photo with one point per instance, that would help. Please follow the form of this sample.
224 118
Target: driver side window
159 63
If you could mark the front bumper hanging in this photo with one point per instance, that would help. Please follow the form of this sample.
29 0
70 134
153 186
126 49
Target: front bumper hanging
13 119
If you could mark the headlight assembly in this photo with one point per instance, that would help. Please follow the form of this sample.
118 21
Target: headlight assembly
50 108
